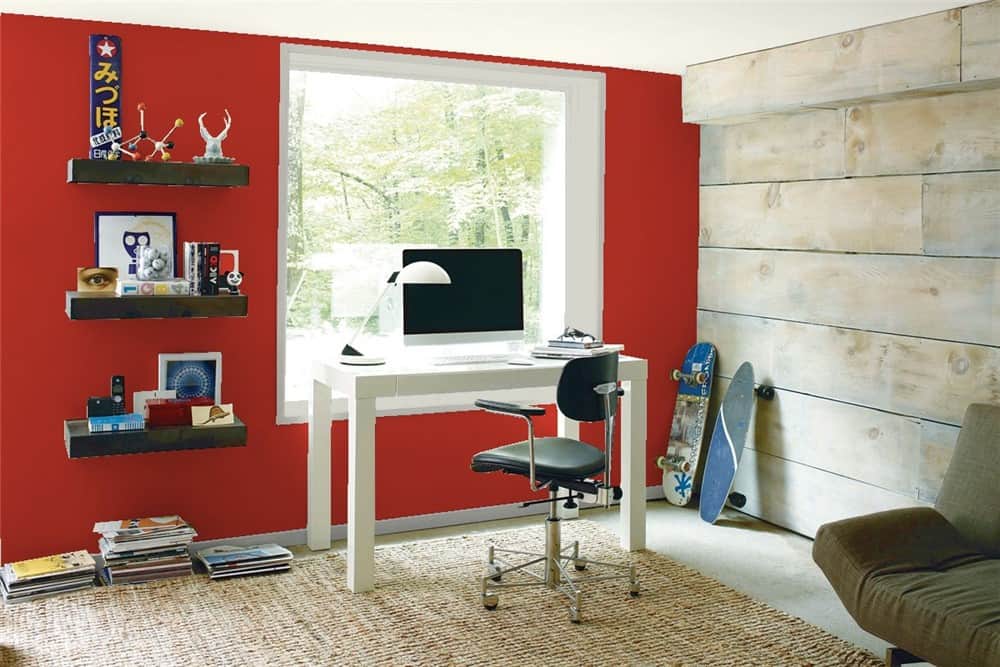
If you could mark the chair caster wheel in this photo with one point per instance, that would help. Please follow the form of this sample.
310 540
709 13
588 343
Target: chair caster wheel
578 566
633 590
574 615
491 601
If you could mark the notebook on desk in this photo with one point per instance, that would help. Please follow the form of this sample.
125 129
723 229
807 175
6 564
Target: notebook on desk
550 352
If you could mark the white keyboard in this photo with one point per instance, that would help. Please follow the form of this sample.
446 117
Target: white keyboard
472 359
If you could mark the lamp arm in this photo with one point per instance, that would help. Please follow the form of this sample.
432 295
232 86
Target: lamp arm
371 312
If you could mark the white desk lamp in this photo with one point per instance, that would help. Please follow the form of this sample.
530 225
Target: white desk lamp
418 273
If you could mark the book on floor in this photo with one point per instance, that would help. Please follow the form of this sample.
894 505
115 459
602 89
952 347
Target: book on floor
229 561
47 576
145 549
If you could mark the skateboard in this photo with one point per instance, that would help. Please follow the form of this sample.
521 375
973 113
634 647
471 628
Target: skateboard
688 428
733 426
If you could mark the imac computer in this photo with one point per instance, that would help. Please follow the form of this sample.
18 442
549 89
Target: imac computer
484 302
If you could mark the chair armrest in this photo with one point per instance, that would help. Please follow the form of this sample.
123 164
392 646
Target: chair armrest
515 409
893 541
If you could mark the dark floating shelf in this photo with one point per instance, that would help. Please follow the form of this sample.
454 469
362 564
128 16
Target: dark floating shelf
83 306
80 443
157 173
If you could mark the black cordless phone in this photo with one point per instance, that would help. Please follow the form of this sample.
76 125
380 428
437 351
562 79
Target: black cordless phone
118 394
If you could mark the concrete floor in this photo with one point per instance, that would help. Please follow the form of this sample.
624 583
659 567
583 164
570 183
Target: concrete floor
765 562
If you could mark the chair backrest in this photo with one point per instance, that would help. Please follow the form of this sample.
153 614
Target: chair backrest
970 494
575 395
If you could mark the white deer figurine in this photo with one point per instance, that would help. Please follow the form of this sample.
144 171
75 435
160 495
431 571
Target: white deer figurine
213 145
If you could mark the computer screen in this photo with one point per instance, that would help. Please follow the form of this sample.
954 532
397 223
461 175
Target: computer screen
484 302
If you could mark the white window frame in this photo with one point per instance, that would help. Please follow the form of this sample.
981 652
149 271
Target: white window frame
584 203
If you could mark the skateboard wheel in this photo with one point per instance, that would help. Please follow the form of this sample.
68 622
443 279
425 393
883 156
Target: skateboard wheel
675 375
701 378
765 391
661 463
737 500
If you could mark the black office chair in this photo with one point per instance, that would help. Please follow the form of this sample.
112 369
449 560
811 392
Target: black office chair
588 391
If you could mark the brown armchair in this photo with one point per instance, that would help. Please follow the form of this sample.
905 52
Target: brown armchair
928 580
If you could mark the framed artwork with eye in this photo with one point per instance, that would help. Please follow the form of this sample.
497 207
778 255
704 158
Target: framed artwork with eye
119 235
192 374
96 279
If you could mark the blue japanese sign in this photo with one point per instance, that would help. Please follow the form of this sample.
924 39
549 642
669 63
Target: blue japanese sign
105 93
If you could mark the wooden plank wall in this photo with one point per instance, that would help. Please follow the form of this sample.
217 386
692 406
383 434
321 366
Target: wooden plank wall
852 254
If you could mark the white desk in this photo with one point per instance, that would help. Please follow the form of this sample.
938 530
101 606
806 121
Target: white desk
362 385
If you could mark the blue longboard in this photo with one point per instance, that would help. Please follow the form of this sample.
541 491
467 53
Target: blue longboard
687 431
732 427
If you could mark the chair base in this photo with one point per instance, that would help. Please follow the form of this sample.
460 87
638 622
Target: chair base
554 571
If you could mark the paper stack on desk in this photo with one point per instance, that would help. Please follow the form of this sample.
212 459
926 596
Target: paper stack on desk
554 352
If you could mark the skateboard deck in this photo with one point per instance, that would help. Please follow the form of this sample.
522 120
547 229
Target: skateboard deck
732 428
688 428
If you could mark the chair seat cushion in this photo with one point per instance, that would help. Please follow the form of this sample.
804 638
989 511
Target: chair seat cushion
910 578
555 458
949 616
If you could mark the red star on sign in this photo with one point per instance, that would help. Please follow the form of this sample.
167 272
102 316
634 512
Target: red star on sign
105 48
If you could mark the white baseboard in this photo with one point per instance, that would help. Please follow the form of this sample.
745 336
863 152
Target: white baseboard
289 538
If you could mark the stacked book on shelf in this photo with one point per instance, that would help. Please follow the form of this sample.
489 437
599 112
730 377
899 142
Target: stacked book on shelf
569 347
139 550
50 575
114 423
227 561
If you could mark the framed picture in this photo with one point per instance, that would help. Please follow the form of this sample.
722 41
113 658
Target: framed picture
118 237
192 375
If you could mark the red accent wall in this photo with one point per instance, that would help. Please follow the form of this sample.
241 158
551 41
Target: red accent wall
49 364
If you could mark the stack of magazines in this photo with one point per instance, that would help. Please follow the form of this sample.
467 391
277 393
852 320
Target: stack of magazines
139 550
558 349
51 575
232 561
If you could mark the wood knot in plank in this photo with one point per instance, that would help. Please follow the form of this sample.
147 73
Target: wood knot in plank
959 365
774 195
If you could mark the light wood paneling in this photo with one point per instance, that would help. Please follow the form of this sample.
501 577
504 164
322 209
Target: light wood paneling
855 215
981 41
802 498
922 136
912 376
805 146
917 52
937 444
934 297
896 453
961 214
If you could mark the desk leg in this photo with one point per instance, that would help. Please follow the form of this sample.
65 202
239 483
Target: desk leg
361 494
318 471
633 475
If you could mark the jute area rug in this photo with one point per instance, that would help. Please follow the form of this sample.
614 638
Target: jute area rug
425 610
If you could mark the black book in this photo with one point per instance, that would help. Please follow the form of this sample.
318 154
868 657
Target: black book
208 264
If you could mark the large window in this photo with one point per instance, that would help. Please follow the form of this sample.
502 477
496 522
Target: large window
382 152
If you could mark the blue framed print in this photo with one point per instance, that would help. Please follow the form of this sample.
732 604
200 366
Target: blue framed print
119 235
192 375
